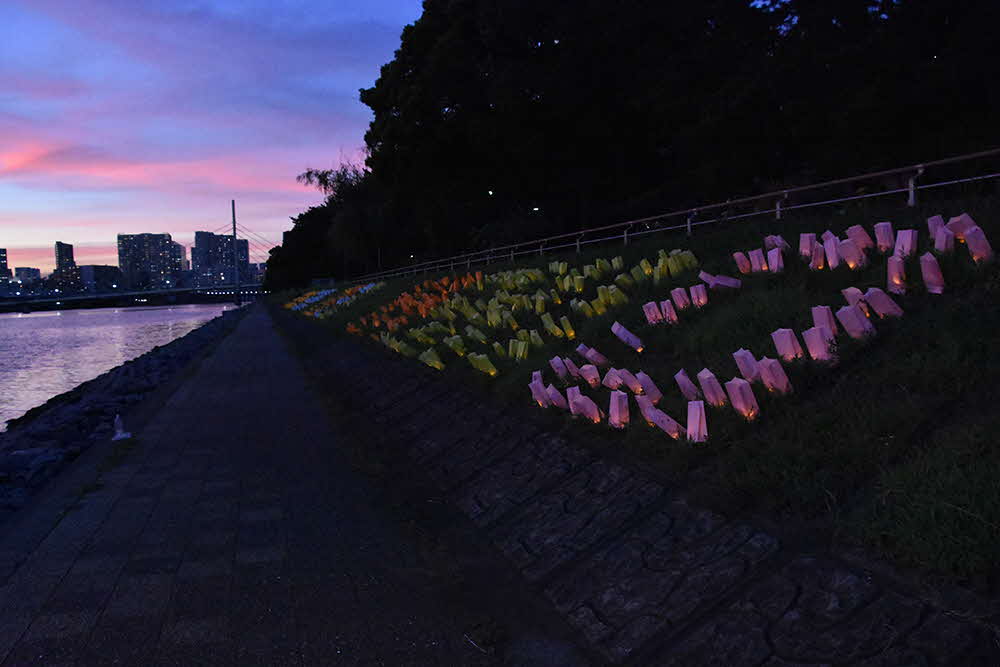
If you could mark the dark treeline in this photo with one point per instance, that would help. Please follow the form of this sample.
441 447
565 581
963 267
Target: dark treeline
595 111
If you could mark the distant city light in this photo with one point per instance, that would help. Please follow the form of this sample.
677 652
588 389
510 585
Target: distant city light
411 256
535 209
490 192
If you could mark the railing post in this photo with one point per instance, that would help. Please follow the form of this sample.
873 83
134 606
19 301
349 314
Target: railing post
689 221
578 243
778 206
541 249
511 255
911 187
625 233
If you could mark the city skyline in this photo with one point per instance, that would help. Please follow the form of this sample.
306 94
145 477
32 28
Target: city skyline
131 117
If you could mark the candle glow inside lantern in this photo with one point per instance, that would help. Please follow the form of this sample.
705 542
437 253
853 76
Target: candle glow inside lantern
906 243
649 388
830 250
758 263
882 303
775 260
618 410
630 381
896 275
590 373
742 263
786 344
855 323
680 298
959 224
626 336
772 374
931 272
884 238
652 313
860 237
645 408
691 392
669 314
612 380
944 241
854 297
571 367
658 418
697 426
823 317
711 388
747 364
539 394
818 340
726 281
556 398
934 223
806 244
558 367
979 246
583 406
818 257
853 256
567 327
699 295
742 399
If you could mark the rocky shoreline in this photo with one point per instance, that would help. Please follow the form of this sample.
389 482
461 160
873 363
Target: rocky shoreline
41 442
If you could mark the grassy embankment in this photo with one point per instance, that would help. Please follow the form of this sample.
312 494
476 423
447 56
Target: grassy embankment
893 446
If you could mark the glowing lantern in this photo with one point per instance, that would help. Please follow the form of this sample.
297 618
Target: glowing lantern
828 236
617 296
959 224
567 327
481 362
572 394
772 374
775 261
431 358
626 336
646 408
830 250
944 242
559 367
786 344
590 373
591 355
726 281
979 246
618 410
630 381
854 297
598 307
853 256
475 334
823 317
612 380
934 223
818 257
649 388
691 392
758 262
669 314
699 295
855 323
535 339
818 340
571 367
860 237
652 312
931 272
884 238
556 398
499 349
906 243
646 267
806 244
578 283
536 376
747 364
585 407
550 326
882 303
775 241
896 275
707 278
742 399
539 394
456 343
742 263
697 426
711 388
680 298
662 421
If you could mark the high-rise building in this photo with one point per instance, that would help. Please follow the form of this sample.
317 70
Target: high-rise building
148 261
27 274
99 278
212 259
4 271
64 256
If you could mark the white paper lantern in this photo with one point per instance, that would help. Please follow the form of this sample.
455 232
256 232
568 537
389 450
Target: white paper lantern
707 278
959 224
626 336
830 250
558 367
742 399
590 374
630 381
571 367
697 426
772 374
934 223
727 282
855 297
818 257
711 388
669 314
585 407
853 256
612 379
539 394
884 238
691 392
979 246
882 303
786 344
931 272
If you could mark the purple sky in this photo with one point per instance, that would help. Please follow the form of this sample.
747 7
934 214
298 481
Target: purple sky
128 116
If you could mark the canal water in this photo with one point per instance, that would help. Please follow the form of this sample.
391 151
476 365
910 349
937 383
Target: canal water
45 354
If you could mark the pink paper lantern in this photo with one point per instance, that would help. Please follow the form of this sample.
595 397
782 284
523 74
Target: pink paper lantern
806 244
884 238
853 256
882 303
571 367
590 374
626 336
646 408
680 298
931 272
823 317
691 392
596 358
830 250
539 394
979 246
944 241
742 399
906 243
612 379
747 365
536 376
775 241
786 344
818 340
854 297
556 398
585 407
758 262
558 367
699 295
630 381
711 388
860 237
742 263
707 278
649 388
572 394
662 421
652 312
896 275
697 426
960 224
618 410
855 323
829 236
818 257
775 260
669 314
934 223
726 281
772 374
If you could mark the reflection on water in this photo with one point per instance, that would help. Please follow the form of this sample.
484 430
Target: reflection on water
44 354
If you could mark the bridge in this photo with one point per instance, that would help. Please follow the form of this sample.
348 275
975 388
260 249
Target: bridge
133 298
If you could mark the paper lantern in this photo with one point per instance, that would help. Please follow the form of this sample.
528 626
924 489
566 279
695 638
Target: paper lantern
823 317
830 250
742 263
855 323
818 257
931 272
618 410
944 241
775 261
747 363
539 393
882 303
567 327
758 262
906 243
979 246
742 399
456 344
550 326
649 388
854 297
772 374
691 392
630 381
786 344
697 426
591 355
680 298
711 388
597 306
726 281
818 340
699 295
827 236
626 336
853 256
591 375
662 421
707 278
431 358
959 225
934 223
617 296
884 238
585 407
499 349
668 312
646 408
612 379
536 376
571 367
558 367
652 312
572 394
860 237
775 241
896 275
806 244
556 398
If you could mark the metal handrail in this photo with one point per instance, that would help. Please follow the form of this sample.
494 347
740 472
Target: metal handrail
510 251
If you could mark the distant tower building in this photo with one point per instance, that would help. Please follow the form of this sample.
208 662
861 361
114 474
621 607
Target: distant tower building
149 261
98 278
27 274
4 271
64 257
66 277
212 259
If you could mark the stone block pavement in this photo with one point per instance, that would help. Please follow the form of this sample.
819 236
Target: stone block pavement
240 532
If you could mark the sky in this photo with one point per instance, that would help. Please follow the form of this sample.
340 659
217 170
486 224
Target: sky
130 116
